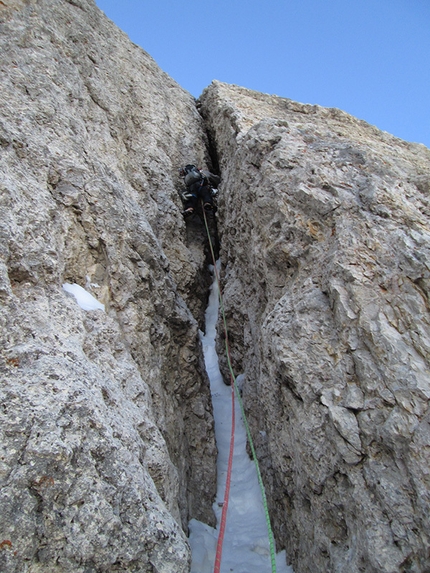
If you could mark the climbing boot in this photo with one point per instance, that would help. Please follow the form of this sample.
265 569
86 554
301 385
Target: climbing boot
188 212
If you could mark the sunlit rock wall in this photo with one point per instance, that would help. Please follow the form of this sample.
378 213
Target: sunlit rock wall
325 250
106 428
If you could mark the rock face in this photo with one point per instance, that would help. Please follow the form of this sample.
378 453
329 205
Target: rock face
326 260
107 446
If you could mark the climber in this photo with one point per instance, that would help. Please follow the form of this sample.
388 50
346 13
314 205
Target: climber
198 187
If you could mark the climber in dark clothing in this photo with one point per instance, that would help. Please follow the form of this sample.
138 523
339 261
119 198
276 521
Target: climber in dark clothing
198 187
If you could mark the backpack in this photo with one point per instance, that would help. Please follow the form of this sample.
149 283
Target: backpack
192 175
214 180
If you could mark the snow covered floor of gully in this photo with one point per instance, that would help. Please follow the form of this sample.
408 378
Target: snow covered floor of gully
246 542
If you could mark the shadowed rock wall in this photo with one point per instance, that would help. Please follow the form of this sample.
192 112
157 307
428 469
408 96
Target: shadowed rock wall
106 428
326 266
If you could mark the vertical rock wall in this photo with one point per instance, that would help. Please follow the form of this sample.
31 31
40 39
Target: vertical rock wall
106 430
105 422
325 235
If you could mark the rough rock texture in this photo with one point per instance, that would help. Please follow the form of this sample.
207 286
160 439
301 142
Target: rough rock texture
106 429
326 260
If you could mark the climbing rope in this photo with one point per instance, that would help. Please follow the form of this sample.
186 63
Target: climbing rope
220 541
235 391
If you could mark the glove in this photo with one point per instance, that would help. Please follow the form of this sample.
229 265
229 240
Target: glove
186 196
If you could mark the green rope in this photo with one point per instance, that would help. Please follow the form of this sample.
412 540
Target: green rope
242 410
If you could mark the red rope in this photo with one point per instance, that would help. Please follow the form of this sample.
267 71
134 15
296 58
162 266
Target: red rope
220 541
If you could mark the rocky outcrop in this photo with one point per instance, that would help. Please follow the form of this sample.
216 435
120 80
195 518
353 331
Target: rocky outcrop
325 253
107 444
106 430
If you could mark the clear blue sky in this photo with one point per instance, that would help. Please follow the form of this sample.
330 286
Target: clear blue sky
370 58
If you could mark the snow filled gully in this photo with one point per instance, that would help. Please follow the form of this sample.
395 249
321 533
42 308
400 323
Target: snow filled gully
246 542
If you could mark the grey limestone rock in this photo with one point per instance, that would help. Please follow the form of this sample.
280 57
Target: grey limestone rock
106 423
326 267
107 445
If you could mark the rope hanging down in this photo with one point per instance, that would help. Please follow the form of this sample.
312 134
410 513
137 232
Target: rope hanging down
235 391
